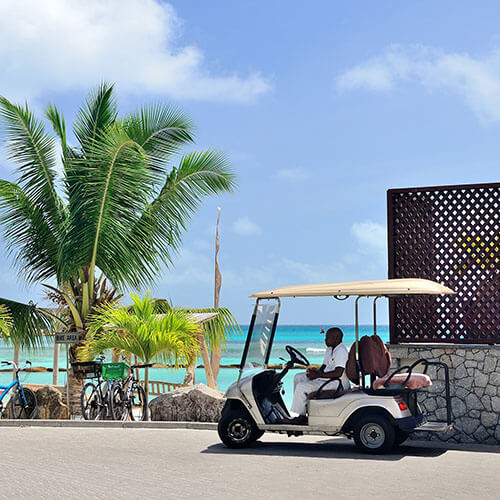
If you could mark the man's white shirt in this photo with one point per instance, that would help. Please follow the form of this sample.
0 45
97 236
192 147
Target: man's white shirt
334 358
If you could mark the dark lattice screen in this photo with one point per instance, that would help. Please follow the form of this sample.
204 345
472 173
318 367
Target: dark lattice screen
449 234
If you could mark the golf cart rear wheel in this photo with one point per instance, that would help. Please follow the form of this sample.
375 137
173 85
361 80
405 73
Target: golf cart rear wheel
237 429
374 433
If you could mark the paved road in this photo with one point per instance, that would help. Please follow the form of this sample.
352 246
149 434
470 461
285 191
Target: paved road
47 463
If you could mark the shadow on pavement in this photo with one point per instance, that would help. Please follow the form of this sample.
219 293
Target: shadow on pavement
331 448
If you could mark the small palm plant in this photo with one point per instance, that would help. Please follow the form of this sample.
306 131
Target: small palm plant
168 338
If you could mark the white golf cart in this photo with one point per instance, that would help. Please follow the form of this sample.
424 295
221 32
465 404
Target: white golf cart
377 418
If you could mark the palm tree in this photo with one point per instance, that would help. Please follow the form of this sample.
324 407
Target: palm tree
212 335
118 208
168 338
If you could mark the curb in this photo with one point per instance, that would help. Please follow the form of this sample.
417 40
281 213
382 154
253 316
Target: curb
106 424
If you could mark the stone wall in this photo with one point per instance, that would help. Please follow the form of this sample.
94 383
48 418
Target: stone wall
474 388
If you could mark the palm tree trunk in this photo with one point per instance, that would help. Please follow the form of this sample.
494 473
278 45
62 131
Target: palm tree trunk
190 377
75 387
211 381
215 358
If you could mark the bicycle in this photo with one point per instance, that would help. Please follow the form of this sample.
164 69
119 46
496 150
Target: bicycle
23 400
129 398
95 398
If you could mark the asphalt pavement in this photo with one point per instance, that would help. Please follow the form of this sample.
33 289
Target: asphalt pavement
49 462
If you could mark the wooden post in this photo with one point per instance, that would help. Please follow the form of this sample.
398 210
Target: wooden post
17 355
55 363
211 382
216 354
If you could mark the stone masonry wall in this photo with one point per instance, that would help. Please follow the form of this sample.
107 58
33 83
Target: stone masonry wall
474 388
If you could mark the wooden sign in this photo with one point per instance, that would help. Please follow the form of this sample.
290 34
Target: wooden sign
67 337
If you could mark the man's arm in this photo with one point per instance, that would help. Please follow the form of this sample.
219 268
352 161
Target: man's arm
311 371
339 370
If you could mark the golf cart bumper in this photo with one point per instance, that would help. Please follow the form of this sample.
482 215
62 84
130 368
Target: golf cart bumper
420 423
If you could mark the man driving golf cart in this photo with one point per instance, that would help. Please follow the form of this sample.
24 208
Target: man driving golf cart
306 384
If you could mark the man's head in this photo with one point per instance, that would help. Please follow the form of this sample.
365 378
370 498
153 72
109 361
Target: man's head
333 337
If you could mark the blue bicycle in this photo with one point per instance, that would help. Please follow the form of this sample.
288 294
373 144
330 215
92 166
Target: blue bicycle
23 400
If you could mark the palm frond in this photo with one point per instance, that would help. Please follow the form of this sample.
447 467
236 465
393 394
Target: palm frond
219 329
5 321
58 124
34 152
111 189
28 235
96 117
160 306
29 324
161 131
170 338
157 234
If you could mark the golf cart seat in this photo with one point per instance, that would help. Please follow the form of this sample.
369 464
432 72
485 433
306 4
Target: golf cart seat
406 380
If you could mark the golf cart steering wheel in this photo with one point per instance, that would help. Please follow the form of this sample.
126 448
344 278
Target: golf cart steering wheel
296 356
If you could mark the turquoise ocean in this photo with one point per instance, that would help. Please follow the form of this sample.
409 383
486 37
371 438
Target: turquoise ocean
305 338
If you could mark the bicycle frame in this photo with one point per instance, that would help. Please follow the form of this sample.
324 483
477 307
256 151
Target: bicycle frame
7 388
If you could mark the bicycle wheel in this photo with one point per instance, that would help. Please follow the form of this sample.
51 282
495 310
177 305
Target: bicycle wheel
117 402
90 401
24 407
137 406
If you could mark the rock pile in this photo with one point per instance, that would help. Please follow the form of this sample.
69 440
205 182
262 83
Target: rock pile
49 404
196 403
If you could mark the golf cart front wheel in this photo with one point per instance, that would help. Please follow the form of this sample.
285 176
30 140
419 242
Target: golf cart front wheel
237 429
374 434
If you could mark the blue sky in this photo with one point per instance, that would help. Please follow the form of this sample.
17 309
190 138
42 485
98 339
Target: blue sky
320 106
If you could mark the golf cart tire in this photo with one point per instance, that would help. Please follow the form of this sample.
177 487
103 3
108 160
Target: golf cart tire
237 429
374 433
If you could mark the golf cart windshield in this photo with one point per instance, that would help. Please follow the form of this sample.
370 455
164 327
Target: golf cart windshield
260 334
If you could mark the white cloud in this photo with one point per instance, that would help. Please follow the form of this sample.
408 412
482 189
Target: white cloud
314 273
246 227
64 45
293 174
475 79
192 268
370 236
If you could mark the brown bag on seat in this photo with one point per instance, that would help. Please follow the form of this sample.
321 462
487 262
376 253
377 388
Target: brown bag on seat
350 367
374 357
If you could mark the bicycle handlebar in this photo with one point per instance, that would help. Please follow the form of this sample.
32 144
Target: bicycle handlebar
17 368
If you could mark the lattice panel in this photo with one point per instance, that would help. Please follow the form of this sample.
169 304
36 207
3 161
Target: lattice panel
451 235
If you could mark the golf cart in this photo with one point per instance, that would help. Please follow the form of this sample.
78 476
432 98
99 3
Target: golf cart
378 413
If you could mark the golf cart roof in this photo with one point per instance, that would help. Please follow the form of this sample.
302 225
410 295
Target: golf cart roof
408 286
